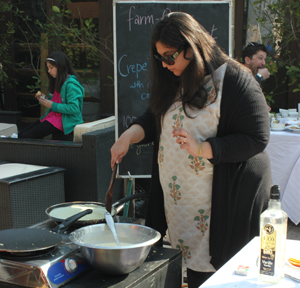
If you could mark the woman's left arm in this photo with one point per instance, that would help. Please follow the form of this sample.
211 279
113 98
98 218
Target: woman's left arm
71 101
244 126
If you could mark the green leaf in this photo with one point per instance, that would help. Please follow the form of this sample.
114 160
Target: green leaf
257 2
56 9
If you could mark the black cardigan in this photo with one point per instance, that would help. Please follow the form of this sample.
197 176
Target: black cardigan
242 172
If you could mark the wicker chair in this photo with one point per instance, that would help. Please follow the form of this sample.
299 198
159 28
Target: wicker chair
26 196
87 164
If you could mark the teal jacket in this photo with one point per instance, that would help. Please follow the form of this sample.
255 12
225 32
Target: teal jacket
72 93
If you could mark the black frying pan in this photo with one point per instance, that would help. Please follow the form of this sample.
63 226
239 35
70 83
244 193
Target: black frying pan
83 205
22 240
27 240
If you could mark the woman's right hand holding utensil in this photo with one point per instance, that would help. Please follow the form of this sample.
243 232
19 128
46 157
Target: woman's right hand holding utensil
132 135
119 150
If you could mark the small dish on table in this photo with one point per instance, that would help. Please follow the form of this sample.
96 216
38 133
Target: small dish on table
293 128
277 126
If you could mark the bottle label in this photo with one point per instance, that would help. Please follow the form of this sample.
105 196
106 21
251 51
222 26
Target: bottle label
267 253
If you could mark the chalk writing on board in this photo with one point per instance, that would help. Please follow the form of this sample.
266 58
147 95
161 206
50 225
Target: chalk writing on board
138 148
145 96
143 19
127 120
149 19
137 84
212 31
135 68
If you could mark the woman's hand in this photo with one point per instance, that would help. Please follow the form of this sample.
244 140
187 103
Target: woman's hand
187 141
45 102
38 95
132 135
119 150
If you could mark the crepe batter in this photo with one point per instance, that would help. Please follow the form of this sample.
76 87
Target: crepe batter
66 212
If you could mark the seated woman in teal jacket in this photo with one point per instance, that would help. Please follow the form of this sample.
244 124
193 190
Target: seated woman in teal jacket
64 103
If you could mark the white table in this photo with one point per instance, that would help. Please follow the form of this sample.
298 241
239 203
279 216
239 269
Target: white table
284 153
225 277
7 129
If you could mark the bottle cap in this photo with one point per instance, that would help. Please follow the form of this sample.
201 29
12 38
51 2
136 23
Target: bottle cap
275 192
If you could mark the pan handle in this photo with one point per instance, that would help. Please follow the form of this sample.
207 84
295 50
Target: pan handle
134 196
71 220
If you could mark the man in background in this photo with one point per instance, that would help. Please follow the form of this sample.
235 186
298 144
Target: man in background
254 57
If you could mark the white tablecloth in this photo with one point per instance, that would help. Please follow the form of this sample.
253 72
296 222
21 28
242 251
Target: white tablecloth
284 153
225 277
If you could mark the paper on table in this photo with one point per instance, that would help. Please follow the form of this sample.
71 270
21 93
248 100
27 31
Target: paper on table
292 122
292 252
292 272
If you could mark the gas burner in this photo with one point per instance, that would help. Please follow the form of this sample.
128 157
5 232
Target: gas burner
48 265
26 255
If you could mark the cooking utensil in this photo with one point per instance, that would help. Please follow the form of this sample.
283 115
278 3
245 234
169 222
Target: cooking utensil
111 224
108 197
69 221
27 240
97 248
57 212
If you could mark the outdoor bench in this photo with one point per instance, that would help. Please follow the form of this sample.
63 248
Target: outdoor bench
87 164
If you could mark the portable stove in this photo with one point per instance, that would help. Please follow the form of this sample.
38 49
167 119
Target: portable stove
49 268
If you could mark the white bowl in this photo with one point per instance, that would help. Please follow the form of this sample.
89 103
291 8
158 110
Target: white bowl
278 126
293 114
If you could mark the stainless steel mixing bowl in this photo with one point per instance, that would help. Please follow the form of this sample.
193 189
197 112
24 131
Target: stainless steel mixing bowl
98 246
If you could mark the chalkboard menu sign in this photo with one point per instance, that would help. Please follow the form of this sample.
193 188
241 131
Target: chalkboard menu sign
133 25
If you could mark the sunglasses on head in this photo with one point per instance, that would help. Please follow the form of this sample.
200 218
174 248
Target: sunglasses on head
169 59
254 44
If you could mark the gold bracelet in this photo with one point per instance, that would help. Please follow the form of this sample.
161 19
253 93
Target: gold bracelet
199 149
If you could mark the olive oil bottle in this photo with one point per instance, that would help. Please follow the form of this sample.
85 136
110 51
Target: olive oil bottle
273 231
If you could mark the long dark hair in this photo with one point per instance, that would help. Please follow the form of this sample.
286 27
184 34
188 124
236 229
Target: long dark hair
178 29
64 68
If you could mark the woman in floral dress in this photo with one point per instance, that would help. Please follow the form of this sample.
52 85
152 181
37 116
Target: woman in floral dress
210 174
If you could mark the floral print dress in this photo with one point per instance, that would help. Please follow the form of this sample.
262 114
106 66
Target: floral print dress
187 180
